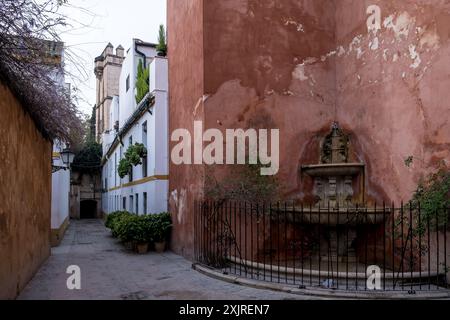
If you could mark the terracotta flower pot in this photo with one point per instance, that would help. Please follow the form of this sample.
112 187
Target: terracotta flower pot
160 247
129 245
142 248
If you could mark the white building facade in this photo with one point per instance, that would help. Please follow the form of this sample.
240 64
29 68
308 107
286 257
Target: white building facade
61 176
145 189
60 196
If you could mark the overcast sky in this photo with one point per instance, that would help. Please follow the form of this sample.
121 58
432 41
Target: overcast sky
115 21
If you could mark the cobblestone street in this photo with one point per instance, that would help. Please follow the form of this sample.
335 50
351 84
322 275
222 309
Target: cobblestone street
108 271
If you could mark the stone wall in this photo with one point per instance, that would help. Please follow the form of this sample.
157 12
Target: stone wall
84 187
107 70
25 193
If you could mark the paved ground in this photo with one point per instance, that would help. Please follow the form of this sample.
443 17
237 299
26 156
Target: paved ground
108 271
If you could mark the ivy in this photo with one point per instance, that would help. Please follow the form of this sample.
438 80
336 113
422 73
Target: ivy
133 157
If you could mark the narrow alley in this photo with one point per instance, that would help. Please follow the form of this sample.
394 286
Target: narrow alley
109 271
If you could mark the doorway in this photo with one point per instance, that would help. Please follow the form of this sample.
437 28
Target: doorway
88 209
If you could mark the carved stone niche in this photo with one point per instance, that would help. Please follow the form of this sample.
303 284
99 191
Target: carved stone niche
335 146
334 177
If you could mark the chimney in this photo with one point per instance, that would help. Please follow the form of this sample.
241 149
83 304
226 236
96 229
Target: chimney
120 51
109 49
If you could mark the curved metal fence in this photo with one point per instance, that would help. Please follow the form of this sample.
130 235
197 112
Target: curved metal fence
355 248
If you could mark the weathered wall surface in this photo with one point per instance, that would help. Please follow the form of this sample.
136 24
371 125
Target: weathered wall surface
301 65
25 196
185 43
84 186
108 67
393 89
255 58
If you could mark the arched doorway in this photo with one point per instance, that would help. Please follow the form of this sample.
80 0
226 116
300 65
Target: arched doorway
88 209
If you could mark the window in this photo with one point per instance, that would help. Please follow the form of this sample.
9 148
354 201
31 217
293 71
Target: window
124 203
137 203
128 83
115 168
131 204
105 180
130 175
145 202
144 133
144 141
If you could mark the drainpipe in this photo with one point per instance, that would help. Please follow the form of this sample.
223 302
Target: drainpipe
141 54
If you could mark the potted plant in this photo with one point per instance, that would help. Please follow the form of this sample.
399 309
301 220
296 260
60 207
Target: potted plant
124 168
114 220
161 226
144 235
140 236
142 247
133 157
161 48
129 231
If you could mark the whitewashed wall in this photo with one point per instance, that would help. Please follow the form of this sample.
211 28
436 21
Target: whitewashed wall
127 99
157 142
60 191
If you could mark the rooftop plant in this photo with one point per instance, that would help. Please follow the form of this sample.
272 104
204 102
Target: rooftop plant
162 45
142 82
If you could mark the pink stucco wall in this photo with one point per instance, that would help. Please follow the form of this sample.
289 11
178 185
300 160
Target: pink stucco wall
299 66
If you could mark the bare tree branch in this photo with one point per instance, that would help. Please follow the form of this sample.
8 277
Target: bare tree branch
29 63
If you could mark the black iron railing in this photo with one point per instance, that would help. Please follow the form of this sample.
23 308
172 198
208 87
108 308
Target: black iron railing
355 248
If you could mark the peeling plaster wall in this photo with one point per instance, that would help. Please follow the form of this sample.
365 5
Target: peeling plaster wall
299 66
303 64
264 69
394 95
185 43
25 196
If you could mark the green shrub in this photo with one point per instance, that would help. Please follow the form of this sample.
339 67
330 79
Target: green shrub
161 225
139 229
133 229
113 219
432 197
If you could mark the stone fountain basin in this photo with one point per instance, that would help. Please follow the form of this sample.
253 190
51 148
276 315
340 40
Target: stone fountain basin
332 217
333 170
